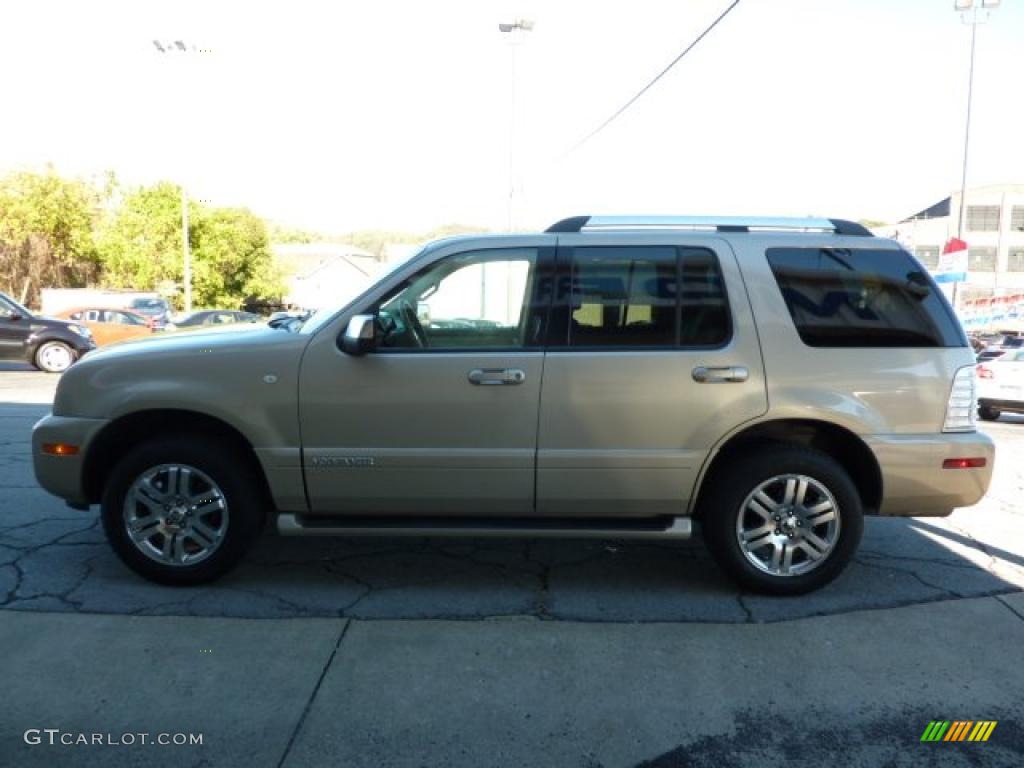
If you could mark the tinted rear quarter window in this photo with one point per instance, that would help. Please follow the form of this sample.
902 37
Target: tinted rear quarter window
863 297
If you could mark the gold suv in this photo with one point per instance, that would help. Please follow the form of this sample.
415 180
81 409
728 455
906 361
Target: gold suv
771 381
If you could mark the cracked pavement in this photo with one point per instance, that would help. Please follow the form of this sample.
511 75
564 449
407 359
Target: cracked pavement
55 559
560 653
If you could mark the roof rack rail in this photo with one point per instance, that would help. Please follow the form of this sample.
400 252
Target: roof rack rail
716 223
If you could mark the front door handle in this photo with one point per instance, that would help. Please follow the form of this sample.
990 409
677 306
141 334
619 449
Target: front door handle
728 373
495 376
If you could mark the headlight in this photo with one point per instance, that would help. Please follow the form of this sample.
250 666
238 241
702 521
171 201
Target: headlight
81 330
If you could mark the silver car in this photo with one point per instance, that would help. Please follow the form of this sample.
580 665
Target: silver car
770 381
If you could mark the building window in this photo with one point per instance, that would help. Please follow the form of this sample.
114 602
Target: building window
983 218
928 255
1017 218
1015 263
981 259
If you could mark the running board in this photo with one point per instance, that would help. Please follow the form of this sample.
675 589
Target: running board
561 528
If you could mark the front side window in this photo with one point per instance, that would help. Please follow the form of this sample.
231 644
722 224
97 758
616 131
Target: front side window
645 296
475 300
843 297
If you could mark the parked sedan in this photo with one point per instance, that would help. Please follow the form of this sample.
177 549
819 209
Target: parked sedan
50 345
110 325
208 317
1001 385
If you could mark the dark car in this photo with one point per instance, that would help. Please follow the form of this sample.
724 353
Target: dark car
205 317
49 344
157 310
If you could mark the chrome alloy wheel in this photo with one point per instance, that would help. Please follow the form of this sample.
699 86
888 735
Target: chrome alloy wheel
788 525
175 514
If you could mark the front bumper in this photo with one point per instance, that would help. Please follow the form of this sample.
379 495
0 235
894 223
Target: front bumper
64 476
914 484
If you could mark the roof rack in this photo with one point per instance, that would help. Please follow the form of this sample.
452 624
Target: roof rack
715 223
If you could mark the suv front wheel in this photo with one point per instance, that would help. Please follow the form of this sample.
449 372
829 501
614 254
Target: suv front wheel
783 521
178 511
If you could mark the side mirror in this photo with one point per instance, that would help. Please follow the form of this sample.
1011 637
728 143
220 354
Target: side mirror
12 315
360 335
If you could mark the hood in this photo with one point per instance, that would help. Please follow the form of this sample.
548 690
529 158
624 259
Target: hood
192 371
191 342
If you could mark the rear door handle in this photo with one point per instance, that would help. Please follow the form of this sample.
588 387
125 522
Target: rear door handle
729 373
496 376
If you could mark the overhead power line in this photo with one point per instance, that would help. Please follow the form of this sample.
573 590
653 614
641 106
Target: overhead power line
657 77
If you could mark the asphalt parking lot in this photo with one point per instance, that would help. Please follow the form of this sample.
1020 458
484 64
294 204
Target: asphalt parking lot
527 652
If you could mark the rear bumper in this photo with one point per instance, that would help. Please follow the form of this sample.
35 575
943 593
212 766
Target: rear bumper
914 484
63 476
1014 406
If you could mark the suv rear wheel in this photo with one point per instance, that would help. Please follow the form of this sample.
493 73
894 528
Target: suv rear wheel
783 521
178 511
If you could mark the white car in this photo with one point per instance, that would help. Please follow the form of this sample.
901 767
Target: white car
1001 385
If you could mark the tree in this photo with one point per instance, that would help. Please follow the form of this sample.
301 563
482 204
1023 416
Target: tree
46 233
141 248
233 261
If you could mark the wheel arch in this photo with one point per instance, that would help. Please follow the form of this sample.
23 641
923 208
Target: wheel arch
124 433
852 453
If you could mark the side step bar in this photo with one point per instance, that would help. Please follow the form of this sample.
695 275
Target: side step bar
562 528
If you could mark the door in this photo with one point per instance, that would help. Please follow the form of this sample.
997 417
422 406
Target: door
14 329
441 418
652 358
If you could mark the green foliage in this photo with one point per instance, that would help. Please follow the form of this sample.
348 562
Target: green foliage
141 248
46 233
232 259
57 232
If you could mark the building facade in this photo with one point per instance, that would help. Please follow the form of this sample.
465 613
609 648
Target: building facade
993 230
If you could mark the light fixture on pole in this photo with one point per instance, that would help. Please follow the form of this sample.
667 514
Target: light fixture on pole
515 31
171 47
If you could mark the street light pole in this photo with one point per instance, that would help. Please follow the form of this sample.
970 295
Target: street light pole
969 11
515 31
186 250
179 46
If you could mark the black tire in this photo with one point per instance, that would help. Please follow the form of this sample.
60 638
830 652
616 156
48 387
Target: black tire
988 413
740 476
239 483
44 361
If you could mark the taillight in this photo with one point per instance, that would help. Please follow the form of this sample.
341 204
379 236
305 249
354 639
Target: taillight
962 402
984 372
972 462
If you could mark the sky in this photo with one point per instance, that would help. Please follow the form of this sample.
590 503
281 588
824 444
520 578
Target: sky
403 115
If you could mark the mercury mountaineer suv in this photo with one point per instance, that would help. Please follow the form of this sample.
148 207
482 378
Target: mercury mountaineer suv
768 382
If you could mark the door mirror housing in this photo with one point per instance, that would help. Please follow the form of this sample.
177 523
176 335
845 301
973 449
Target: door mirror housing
360 335
12 315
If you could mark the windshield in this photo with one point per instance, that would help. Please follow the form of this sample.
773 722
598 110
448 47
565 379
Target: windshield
8 304
323 315
148 304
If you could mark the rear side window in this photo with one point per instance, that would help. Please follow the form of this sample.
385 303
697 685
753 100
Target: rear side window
645 296
843 297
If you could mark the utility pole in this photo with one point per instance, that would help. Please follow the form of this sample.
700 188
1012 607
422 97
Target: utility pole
970 11
516 32
172 47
